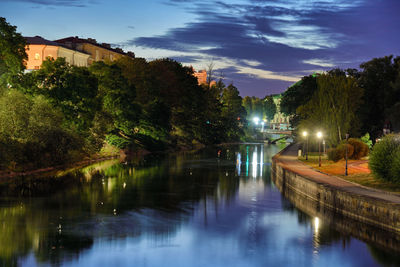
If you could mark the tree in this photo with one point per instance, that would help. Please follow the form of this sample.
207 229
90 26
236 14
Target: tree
377 78
298 94
117 96
269 108
332 107
181 93
32 133
232 111
12 52
72 89
248 105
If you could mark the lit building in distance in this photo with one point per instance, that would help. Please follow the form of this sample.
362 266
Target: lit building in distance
97 52
39 49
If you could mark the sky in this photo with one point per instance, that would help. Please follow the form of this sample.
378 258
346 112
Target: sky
261 46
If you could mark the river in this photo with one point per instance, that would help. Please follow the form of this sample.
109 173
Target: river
199 208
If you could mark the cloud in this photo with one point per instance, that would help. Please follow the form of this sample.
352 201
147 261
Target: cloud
54 3
281 40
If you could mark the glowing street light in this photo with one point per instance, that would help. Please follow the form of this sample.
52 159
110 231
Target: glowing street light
305 136
256 120
319 136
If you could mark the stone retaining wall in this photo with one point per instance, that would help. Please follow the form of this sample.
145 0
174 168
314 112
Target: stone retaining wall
366 209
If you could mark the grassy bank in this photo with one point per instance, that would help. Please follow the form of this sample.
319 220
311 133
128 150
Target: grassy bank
358 172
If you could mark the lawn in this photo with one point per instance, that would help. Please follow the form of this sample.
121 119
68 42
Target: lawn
358 172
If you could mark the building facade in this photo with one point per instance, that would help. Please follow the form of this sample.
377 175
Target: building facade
39 49
97 52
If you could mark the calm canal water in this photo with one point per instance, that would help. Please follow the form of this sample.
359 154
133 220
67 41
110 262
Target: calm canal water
187 209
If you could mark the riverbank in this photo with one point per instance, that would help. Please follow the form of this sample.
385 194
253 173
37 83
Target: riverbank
374 207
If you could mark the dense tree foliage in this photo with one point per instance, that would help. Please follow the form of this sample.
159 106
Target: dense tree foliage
380 80
31 132
62 113
333 106
270 108
12 52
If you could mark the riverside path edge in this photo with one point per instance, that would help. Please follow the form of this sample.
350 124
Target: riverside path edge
374 207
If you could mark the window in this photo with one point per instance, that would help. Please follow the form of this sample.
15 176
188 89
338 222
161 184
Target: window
37 56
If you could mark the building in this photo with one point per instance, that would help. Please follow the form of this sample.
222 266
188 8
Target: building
39 49
280 121
201 76
97 52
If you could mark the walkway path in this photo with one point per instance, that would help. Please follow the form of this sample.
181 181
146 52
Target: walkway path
288 158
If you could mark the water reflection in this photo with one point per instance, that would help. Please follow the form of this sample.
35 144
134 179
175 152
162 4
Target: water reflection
188 209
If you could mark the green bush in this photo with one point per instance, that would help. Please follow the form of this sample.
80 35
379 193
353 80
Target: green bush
367 140
384 159
350 150
334 154
395 169
360 148
338 153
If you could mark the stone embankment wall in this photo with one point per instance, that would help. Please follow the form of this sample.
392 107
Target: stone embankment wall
362 208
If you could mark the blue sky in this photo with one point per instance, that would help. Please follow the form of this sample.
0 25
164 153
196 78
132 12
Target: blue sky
260 46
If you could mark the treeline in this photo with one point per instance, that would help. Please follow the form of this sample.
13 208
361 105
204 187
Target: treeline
347 101
63 113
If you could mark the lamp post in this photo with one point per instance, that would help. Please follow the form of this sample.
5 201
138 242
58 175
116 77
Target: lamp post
347 144
319 135
305 136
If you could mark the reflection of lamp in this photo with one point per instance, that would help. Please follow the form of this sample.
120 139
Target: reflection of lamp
319 136
305 134
316 224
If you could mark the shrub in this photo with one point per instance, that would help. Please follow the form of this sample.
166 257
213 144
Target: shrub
395 169
384 159
367 140
350 150
360 148
334 154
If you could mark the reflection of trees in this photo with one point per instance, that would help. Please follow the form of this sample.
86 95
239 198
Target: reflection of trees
385 258
152 196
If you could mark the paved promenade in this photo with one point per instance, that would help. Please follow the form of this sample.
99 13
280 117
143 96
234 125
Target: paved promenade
288 159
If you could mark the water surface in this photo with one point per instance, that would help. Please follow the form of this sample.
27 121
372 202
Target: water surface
186 209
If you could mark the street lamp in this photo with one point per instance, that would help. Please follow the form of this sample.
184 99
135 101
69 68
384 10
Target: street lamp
256 120
347 147
319 135
305 136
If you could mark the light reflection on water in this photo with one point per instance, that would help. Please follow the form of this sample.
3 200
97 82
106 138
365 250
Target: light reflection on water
191 209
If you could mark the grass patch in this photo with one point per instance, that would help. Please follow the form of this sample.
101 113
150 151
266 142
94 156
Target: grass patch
358 172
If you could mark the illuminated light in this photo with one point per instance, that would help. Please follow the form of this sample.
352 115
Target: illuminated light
319 135
124 185
316 224
238 163
305 133
261 160
254 163
256 120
